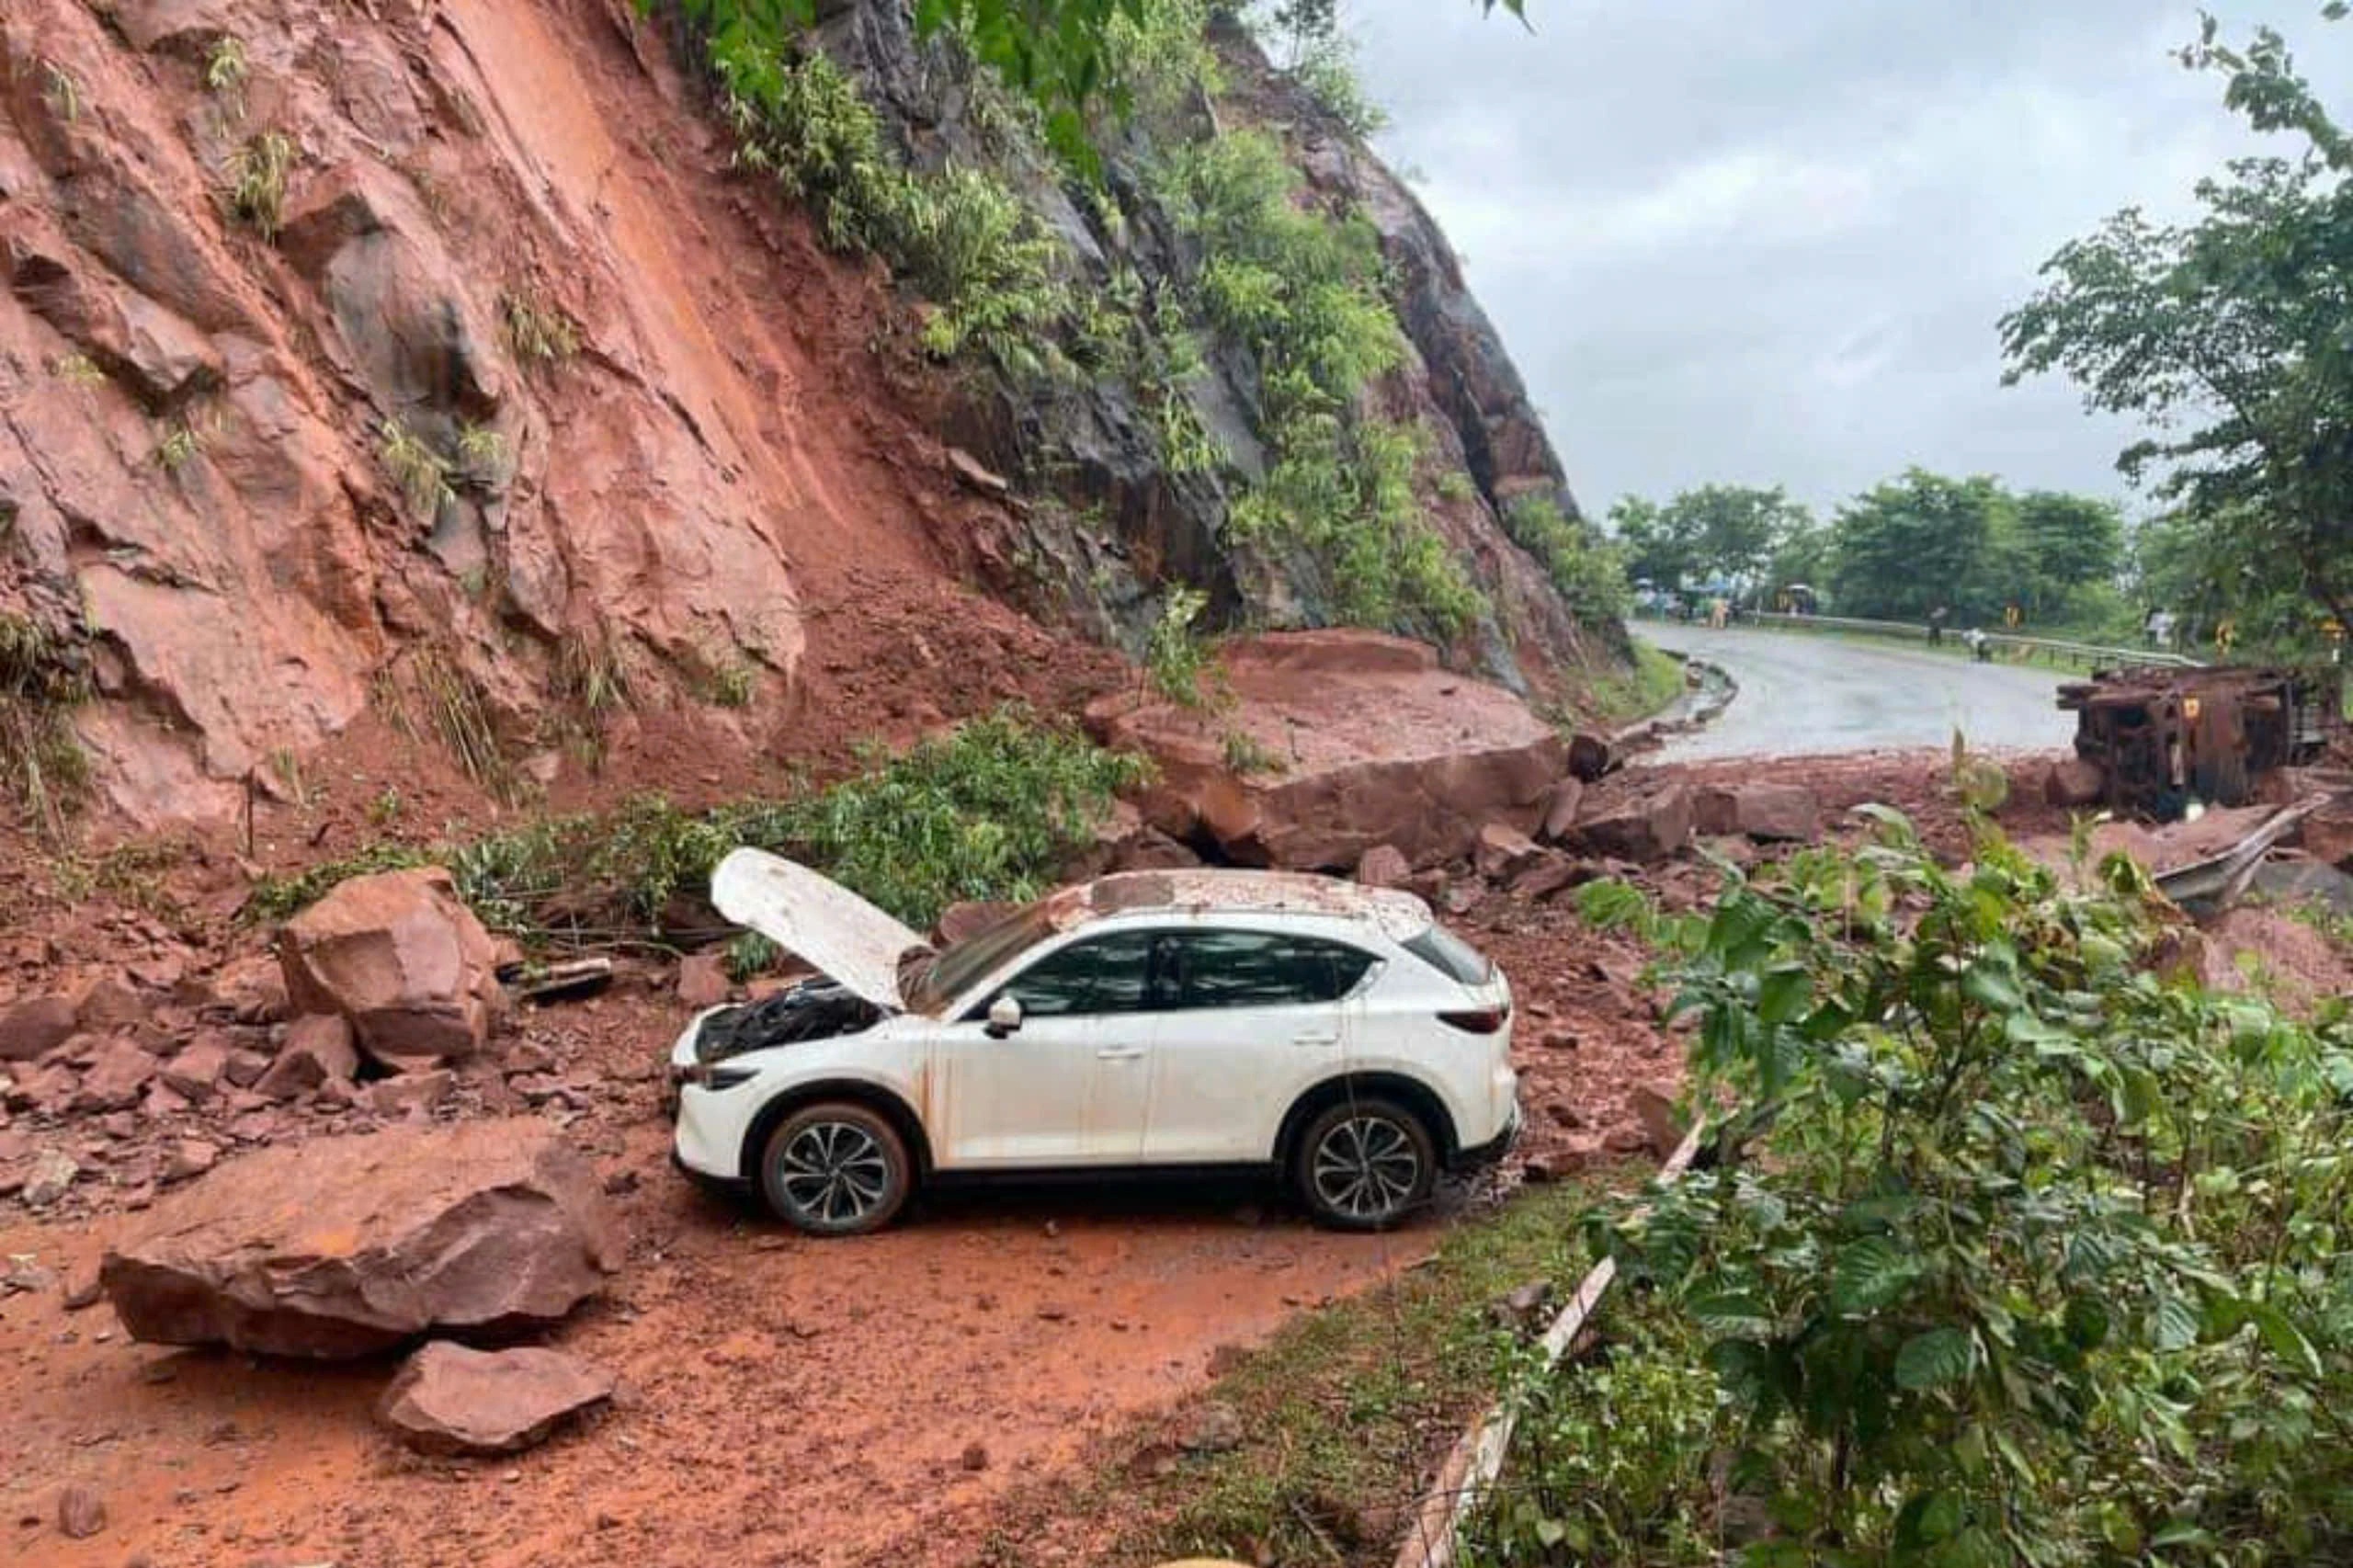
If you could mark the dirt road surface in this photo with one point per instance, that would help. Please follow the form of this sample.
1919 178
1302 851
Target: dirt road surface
1802 694
784 1401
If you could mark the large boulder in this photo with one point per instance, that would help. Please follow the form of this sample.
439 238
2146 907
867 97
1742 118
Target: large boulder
2073 782
1785 812
450 1400
403 959
1338 741
347 1246
35 1027
1649 826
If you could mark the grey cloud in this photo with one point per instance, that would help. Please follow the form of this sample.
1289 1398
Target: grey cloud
1770 244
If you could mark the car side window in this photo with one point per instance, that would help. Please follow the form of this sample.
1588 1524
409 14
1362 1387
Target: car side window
1257 969
1100 974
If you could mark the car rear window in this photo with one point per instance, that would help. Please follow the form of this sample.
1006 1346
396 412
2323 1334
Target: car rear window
1251 969
1452 956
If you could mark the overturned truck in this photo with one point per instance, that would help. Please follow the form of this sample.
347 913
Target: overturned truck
2161 737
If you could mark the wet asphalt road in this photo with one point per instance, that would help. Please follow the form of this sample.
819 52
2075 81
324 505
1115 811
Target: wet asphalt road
1802 694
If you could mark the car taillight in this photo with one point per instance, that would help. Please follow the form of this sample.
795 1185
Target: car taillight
1478 1020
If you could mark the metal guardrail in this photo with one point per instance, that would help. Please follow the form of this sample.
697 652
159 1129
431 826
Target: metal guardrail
2086 653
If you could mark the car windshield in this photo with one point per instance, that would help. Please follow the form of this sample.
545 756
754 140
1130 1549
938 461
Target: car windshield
935 980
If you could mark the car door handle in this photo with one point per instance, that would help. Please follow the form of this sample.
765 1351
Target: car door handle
1119 1053
1314 1037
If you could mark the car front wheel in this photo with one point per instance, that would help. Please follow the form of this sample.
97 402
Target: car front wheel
835 1170
1363 1164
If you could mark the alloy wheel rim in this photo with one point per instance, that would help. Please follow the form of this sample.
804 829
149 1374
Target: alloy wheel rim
1366 1168
834 1173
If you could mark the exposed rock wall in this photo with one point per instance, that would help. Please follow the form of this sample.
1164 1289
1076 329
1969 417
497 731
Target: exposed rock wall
263 469
193 419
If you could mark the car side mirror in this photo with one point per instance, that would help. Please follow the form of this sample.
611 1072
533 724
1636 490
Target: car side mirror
1005 1017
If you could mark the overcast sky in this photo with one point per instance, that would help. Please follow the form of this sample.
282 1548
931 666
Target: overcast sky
1769 243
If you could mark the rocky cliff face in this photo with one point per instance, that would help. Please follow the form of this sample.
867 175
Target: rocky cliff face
427 358
1095 444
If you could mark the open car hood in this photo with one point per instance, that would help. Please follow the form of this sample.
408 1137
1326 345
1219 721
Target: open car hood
818 920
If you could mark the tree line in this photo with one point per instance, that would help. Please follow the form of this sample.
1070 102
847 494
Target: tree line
1917 543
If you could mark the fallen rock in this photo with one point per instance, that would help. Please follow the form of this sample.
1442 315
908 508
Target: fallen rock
109 1004
1381 746
2073 782
318 1049
1549 873
119 1072
82 1290
403 959
1663 1122
252 990
188 1158
1560 810
975 1456
245 1068
1503 852
198 1067
450 1400
959 921
408 1093
35 1027
80 1514
346 1246
702 980
1383 866
1788 812
52 1176
2326 836
1647 827
1590 755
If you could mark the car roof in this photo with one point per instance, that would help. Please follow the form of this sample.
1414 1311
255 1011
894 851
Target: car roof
1396 914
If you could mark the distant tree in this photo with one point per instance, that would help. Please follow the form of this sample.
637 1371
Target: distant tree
1727 532
2228 336
2070 543
1802 556
1925 540
1658 549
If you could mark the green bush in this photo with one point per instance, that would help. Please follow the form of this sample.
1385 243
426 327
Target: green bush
1302 293
990 810
2035 1254
960 238
1586 570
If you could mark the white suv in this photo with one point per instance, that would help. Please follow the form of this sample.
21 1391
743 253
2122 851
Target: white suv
1192 1018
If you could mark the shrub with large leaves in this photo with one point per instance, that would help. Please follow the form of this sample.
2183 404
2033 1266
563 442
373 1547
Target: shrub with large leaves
2033 1255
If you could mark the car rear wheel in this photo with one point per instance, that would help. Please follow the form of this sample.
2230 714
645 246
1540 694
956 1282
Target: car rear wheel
835 1170
1363 1164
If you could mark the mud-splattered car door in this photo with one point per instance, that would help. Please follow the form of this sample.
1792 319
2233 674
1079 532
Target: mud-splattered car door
1068 1086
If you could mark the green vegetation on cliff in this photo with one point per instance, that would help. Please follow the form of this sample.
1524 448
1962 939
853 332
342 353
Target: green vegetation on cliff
1285 289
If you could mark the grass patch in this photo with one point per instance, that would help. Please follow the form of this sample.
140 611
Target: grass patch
257 174
990 810
538 330
1345 1412
1655 680
42 767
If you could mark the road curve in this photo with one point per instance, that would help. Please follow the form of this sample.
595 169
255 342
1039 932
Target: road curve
1803 694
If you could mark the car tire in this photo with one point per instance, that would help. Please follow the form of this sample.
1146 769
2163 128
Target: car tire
1364 1164
835 1170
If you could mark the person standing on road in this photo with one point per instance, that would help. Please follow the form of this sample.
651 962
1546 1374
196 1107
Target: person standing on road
1937 626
